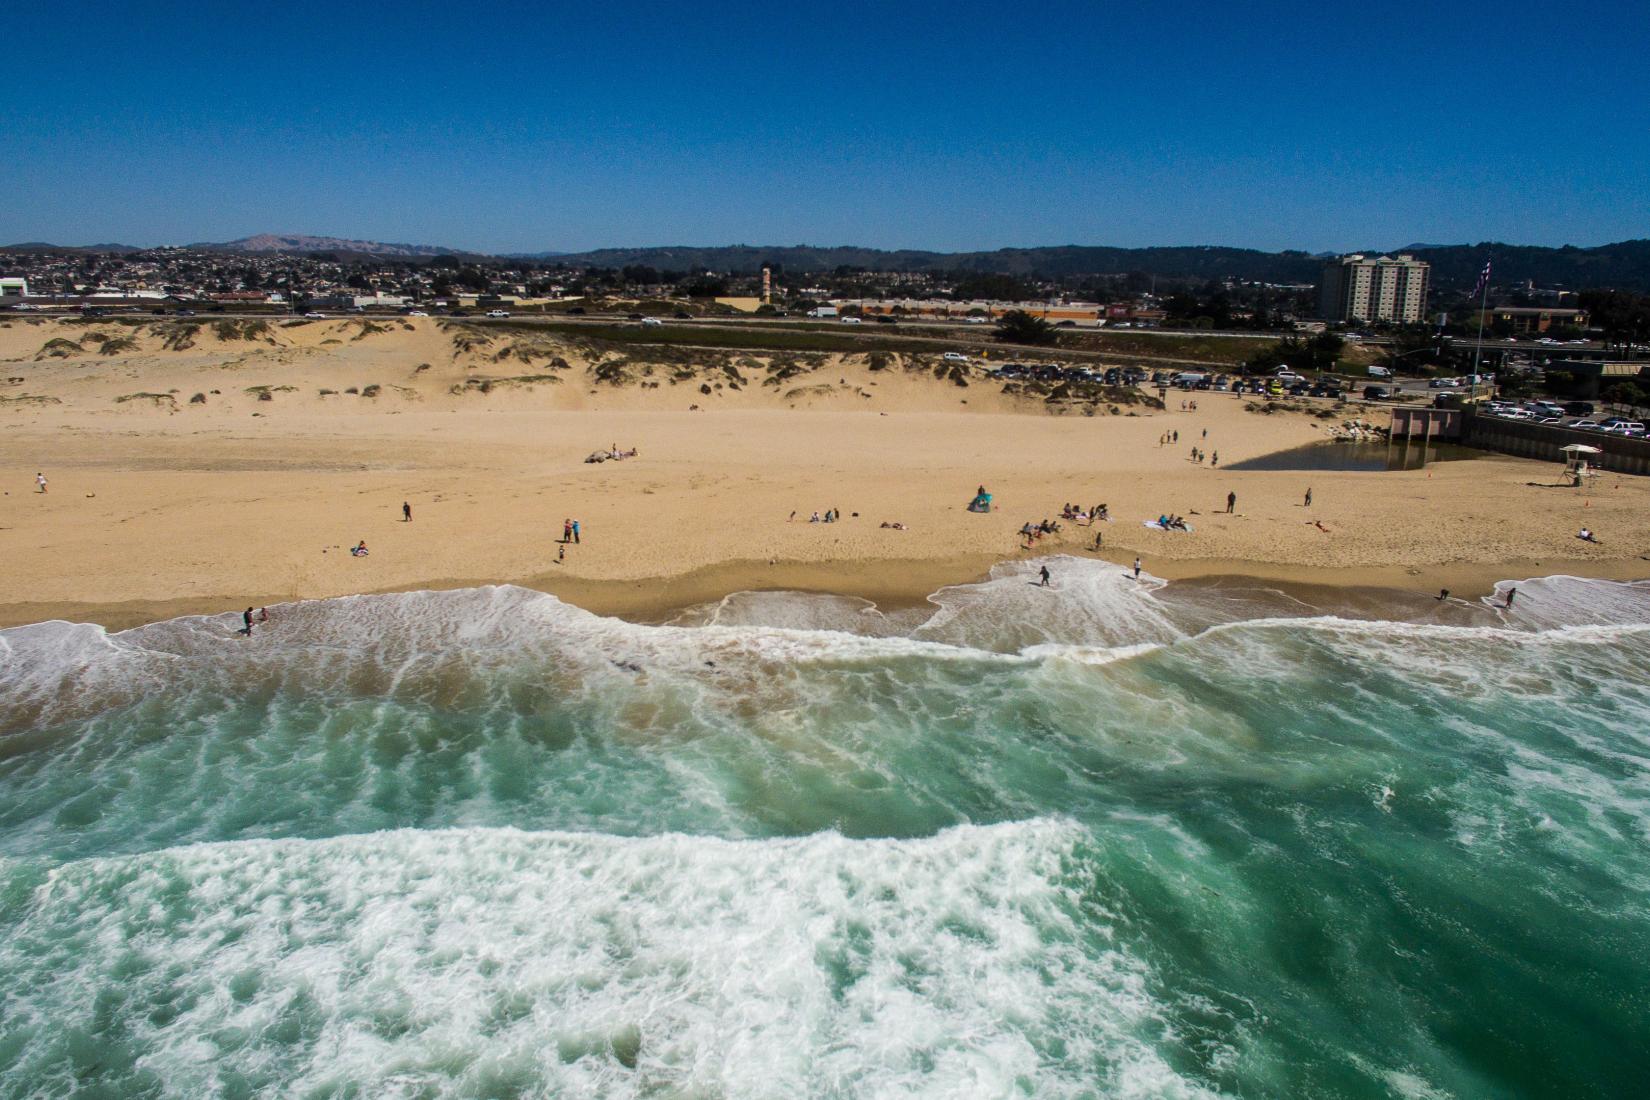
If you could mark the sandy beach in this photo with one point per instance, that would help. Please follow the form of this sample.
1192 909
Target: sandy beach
159 505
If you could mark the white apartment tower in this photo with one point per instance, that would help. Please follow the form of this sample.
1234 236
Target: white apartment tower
1360 288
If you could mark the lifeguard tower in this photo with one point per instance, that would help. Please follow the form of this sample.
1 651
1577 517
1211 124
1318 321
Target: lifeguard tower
1578 462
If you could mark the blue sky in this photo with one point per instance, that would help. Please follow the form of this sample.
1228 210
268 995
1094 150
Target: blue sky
505 127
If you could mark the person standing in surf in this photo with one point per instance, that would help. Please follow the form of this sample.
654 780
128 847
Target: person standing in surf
1044 574
246 621
1136 568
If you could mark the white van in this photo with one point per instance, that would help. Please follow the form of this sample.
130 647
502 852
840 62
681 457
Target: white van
1379 372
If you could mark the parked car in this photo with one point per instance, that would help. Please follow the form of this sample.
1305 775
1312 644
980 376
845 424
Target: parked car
1377 393
312 315
1286 376
954 357
651 321
681 315
1586 426
1626 427
498 313
850 320
416 313
1578 408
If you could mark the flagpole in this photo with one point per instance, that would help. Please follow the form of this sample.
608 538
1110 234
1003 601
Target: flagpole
1478 353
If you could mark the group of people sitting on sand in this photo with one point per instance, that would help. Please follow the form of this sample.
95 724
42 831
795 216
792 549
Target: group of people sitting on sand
613 454
1172 522
1031 532
1078 514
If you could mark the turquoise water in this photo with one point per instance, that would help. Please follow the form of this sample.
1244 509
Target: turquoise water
1111 839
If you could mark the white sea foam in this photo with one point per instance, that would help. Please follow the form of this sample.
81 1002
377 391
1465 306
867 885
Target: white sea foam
1546 603
1095 613
482 962
1088 603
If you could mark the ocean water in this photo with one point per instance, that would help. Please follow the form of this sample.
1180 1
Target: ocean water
1111 839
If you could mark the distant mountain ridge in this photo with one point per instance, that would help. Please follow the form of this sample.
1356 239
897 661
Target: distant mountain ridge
296 242
1624 265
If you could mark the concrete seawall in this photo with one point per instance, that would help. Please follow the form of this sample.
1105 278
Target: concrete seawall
1518 437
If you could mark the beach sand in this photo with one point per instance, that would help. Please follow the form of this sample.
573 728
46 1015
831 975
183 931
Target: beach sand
159 506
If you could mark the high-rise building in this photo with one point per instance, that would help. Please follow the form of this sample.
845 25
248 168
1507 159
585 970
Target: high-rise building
1382 288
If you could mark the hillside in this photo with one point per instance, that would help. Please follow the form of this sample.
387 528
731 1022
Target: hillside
279 242
1624 265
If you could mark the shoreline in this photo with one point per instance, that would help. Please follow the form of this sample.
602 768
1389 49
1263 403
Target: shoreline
891 584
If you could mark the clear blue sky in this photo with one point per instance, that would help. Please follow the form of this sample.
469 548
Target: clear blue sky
505 127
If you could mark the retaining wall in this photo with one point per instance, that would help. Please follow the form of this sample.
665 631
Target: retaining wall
1546 441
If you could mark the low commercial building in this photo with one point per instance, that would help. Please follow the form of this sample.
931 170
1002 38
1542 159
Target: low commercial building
1521 319
13 287
1593 376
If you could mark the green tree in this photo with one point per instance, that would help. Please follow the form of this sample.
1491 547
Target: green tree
995 288
1624 317
1019 327
1626 393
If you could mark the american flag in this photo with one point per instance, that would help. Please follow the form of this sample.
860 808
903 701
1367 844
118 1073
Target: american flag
1483 281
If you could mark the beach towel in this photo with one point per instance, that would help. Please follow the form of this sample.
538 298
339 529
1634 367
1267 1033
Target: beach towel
1156 526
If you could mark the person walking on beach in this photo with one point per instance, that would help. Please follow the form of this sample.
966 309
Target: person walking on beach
406 512
1136 568
40 480
1044 574
575 532
1512 594
1231 503
1308 497
1098 537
